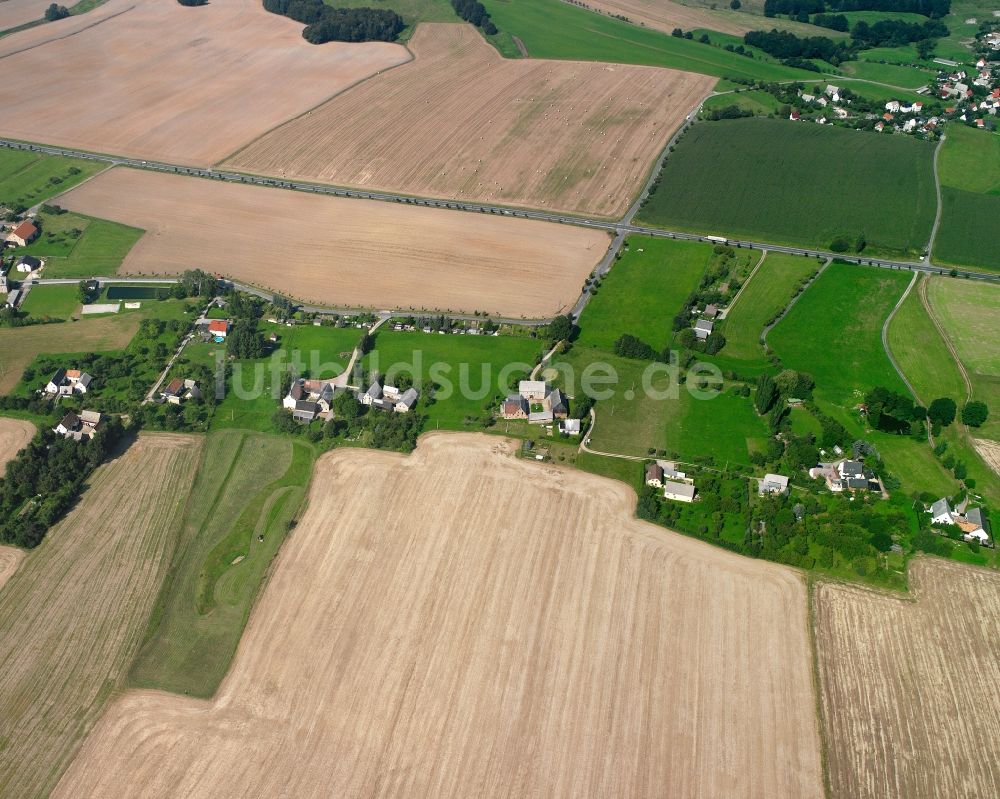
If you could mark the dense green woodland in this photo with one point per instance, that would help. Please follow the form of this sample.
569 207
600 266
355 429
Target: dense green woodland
327 24
794 8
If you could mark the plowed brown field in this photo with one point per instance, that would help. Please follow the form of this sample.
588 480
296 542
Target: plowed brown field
462 623
17 12
989 451
73 614
345 252
909 688
460 122
14 435
665 15
187 85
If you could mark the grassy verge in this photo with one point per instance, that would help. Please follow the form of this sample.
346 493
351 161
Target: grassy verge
27 178
248 489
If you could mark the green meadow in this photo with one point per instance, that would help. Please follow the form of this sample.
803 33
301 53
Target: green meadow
790 183
642 292
28 178
78 246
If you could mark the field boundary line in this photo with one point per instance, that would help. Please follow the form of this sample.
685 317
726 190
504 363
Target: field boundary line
358 82
885 337
937 189
817 679
791 303
68 35
947 341
746 283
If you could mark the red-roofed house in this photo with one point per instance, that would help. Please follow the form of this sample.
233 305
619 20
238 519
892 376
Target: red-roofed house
23 234
980 123
218 327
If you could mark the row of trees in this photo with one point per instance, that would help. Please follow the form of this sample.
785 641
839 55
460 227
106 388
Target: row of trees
44 481
476 13
327 24
935 9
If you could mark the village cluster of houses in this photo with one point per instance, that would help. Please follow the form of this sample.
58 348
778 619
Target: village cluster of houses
972 522
676 485
20 235
65 382
536 402
846 475
79 426
958 87
312 399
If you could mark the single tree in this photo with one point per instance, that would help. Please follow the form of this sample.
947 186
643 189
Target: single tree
942 411
974 413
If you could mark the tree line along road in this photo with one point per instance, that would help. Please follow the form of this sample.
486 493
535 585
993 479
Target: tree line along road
617 229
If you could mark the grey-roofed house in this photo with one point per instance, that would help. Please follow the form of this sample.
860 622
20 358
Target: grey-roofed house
941 512
407 401
857 483
570 427
27 263
532 389
56 382
703 328
851 469
679 492
773 484
556 403
373 393
305 411
13 298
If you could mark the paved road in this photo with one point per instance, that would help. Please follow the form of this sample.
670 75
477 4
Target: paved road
624 227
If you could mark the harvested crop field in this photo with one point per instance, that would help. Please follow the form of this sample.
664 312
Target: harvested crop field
343 252
14 435
989 451
462 623
908 688
73 614
665 15
187 84
17 12
10 559
460 122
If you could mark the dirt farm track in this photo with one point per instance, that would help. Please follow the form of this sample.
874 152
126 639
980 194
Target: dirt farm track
461 623
910 688
461 123
343 252
186 85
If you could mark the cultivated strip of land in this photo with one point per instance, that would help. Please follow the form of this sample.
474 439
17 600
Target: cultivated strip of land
460 622
72 615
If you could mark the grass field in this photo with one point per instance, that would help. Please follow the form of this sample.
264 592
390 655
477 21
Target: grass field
78 246
969 166
57 302
834 332
643 291
970 160
970 230
445 359
779 181
893 74
767 294
878 654
556 30
465 604
72 616
756 101
20 345
248 488
970 313
28 178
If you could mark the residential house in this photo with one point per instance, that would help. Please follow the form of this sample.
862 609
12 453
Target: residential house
178 390
679 492
407 401
68 381
703 328
654 475
27 263
893 106
980 526
373 394
514 407
305 411
555 402
941 512
218 327
711 311
23 234
795 116
570 427
79 427
772 484
533 390
670 470
13 298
